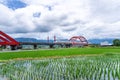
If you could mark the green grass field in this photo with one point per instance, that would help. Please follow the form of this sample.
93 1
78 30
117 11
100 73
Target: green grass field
57 53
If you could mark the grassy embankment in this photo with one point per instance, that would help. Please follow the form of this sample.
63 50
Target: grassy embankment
57 53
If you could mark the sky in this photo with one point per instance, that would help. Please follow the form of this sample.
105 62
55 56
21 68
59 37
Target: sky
62 18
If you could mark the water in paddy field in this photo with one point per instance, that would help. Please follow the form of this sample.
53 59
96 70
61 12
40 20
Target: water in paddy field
3 78
77 68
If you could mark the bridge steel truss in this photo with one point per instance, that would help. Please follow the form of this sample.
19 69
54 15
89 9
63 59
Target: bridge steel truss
7 40
79 40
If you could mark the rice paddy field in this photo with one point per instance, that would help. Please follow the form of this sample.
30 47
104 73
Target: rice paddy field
61 64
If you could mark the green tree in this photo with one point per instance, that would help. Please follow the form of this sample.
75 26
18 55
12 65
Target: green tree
116 42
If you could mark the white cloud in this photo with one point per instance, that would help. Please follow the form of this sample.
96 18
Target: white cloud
63 18
106 10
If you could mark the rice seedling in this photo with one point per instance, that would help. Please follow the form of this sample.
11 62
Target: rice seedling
76 68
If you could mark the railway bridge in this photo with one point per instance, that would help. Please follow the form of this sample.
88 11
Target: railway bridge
6 40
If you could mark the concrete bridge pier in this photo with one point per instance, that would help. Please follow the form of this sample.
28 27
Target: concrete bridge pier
65 45
35 46
13 47
68 45
51 46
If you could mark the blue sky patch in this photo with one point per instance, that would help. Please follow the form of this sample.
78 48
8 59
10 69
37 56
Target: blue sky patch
49 8
14 4
37 14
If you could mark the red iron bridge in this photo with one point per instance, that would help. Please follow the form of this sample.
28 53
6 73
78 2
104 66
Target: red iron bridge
6 40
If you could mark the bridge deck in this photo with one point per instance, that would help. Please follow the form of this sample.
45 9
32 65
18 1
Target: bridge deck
44 43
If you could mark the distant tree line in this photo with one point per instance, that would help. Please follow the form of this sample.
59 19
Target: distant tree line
116 42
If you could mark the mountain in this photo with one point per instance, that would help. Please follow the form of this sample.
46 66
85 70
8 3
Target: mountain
98 41
31 40
90 41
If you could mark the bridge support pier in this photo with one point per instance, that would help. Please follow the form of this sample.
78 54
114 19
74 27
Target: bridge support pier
68 45
13 47
35 46
51 46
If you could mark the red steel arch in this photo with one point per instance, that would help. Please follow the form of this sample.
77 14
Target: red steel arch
7 40
79 40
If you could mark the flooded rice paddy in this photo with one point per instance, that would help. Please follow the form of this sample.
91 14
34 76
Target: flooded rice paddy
105 67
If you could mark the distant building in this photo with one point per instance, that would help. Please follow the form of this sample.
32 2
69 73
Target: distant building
105 43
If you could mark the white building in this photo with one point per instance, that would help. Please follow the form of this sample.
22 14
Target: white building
105 43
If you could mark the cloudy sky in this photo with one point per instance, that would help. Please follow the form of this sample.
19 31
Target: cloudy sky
63 18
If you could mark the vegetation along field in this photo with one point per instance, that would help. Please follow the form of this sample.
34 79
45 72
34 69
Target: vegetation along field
61 64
